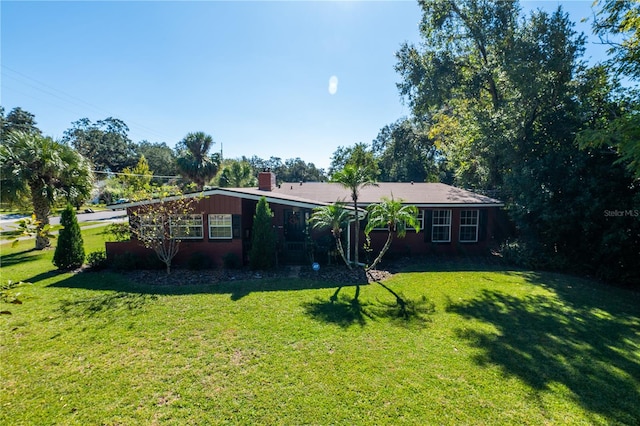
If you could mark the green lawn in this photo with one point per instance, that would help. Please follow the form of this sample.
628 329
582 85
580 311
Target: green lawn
478 346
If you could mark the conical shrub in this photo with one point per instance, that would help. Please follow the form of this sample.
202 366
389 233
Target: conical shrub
70 249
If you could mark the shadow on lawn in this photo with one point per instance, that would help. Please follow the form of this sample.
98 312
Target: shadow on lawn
344 311
573 337
237 289
20 257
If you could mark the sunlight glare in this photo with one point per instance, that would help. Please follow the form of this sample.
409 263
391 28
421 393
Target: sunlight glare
333 85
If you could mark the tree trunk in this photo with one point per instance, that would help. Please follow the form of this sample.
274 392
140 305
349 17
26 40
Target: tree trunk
357 233
386 246
341 251
41 209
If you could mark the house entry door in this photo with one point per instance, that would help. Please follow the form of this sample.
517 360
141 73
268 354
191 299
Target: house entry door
294 225
294 235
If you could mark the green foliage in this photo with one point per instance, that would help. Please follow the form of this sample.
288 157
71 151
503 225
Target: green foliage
406 153
263 238
291 170
359 156
7 293
231 261
395 217
69 252
137 181
97 260
505 98
118 231
354 178
336 218
105 142
199 261
30 227
154 223
17 120
236 174
37 167
482 345
194 161
160 157
620 19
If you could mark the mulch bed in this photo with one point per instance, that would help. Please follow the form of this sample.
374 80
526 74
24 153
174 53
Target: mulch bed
333 274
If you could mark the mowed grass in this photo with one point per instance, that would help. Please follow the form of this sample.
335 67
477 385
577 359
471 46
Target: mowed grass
476 345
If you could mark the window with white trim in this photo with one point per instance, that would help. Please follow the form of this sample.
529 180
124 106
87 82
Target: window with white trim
441 226
420 219
469 226
186 227
151 227
220 226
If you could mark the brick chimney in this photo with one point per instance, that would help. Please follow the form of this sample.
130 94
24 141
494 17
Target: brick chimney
266 181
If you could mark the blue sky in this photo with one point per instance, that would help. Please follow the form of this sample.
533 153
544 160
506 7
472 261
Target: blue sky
285 79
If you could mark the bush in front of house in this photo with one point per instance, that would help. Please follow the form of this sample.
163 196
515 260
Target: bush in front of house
231 261
263 238
97 260
199 261
69 252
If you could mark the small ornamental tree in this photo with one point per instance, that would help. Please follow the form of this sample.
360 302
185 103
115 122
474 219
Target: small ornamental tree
69 252
161 226
263 239
336 218
393 216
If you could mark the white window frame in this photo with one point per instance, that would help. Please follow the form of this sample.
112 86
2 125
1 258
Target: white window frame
472 221
420 222
215 224
192 222
149 228
439 222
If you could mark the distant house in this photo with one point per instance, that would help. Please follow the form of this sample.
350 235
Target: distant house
452 220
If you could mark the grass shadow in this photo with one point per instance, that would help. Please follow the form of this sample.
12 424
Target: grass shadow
112 302
345 311
235 288
340 310
20 257
590 349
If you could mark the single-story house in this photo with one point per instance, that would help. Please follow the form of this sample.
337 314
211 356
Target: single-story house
453 220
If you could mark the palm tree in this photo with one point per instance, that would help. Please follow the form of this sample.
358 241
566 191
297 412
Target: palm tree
354 178
194 161
394 216
335 217
39 168
236 174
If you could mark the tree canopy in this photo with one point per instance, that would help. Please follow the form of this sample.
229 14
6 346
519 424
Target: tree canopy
41 169
503 97
105 142
194 161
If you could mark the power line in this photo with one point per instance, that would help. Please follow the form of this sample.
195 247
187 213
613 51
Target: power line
134 174
70 99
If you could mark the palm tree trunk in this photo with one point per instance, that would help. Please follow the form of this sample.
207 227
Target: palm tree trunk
41 209
341 251
357 236
386 246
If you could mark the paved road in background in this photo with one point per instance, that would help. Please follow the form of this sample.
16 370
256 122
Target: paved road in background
7 222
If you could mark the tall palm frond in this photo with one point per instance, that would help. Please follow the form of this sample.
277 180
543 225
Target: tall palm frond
336 218
354 178
395 217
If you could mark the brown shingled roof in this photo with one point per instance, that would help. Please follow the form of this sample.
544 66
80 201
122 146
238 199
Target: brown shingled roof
421 193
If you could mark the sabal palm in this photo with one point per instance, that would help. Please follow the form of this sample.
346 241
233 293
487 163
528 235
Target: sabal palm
39 168
394 216
354 178
194 161
336 218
